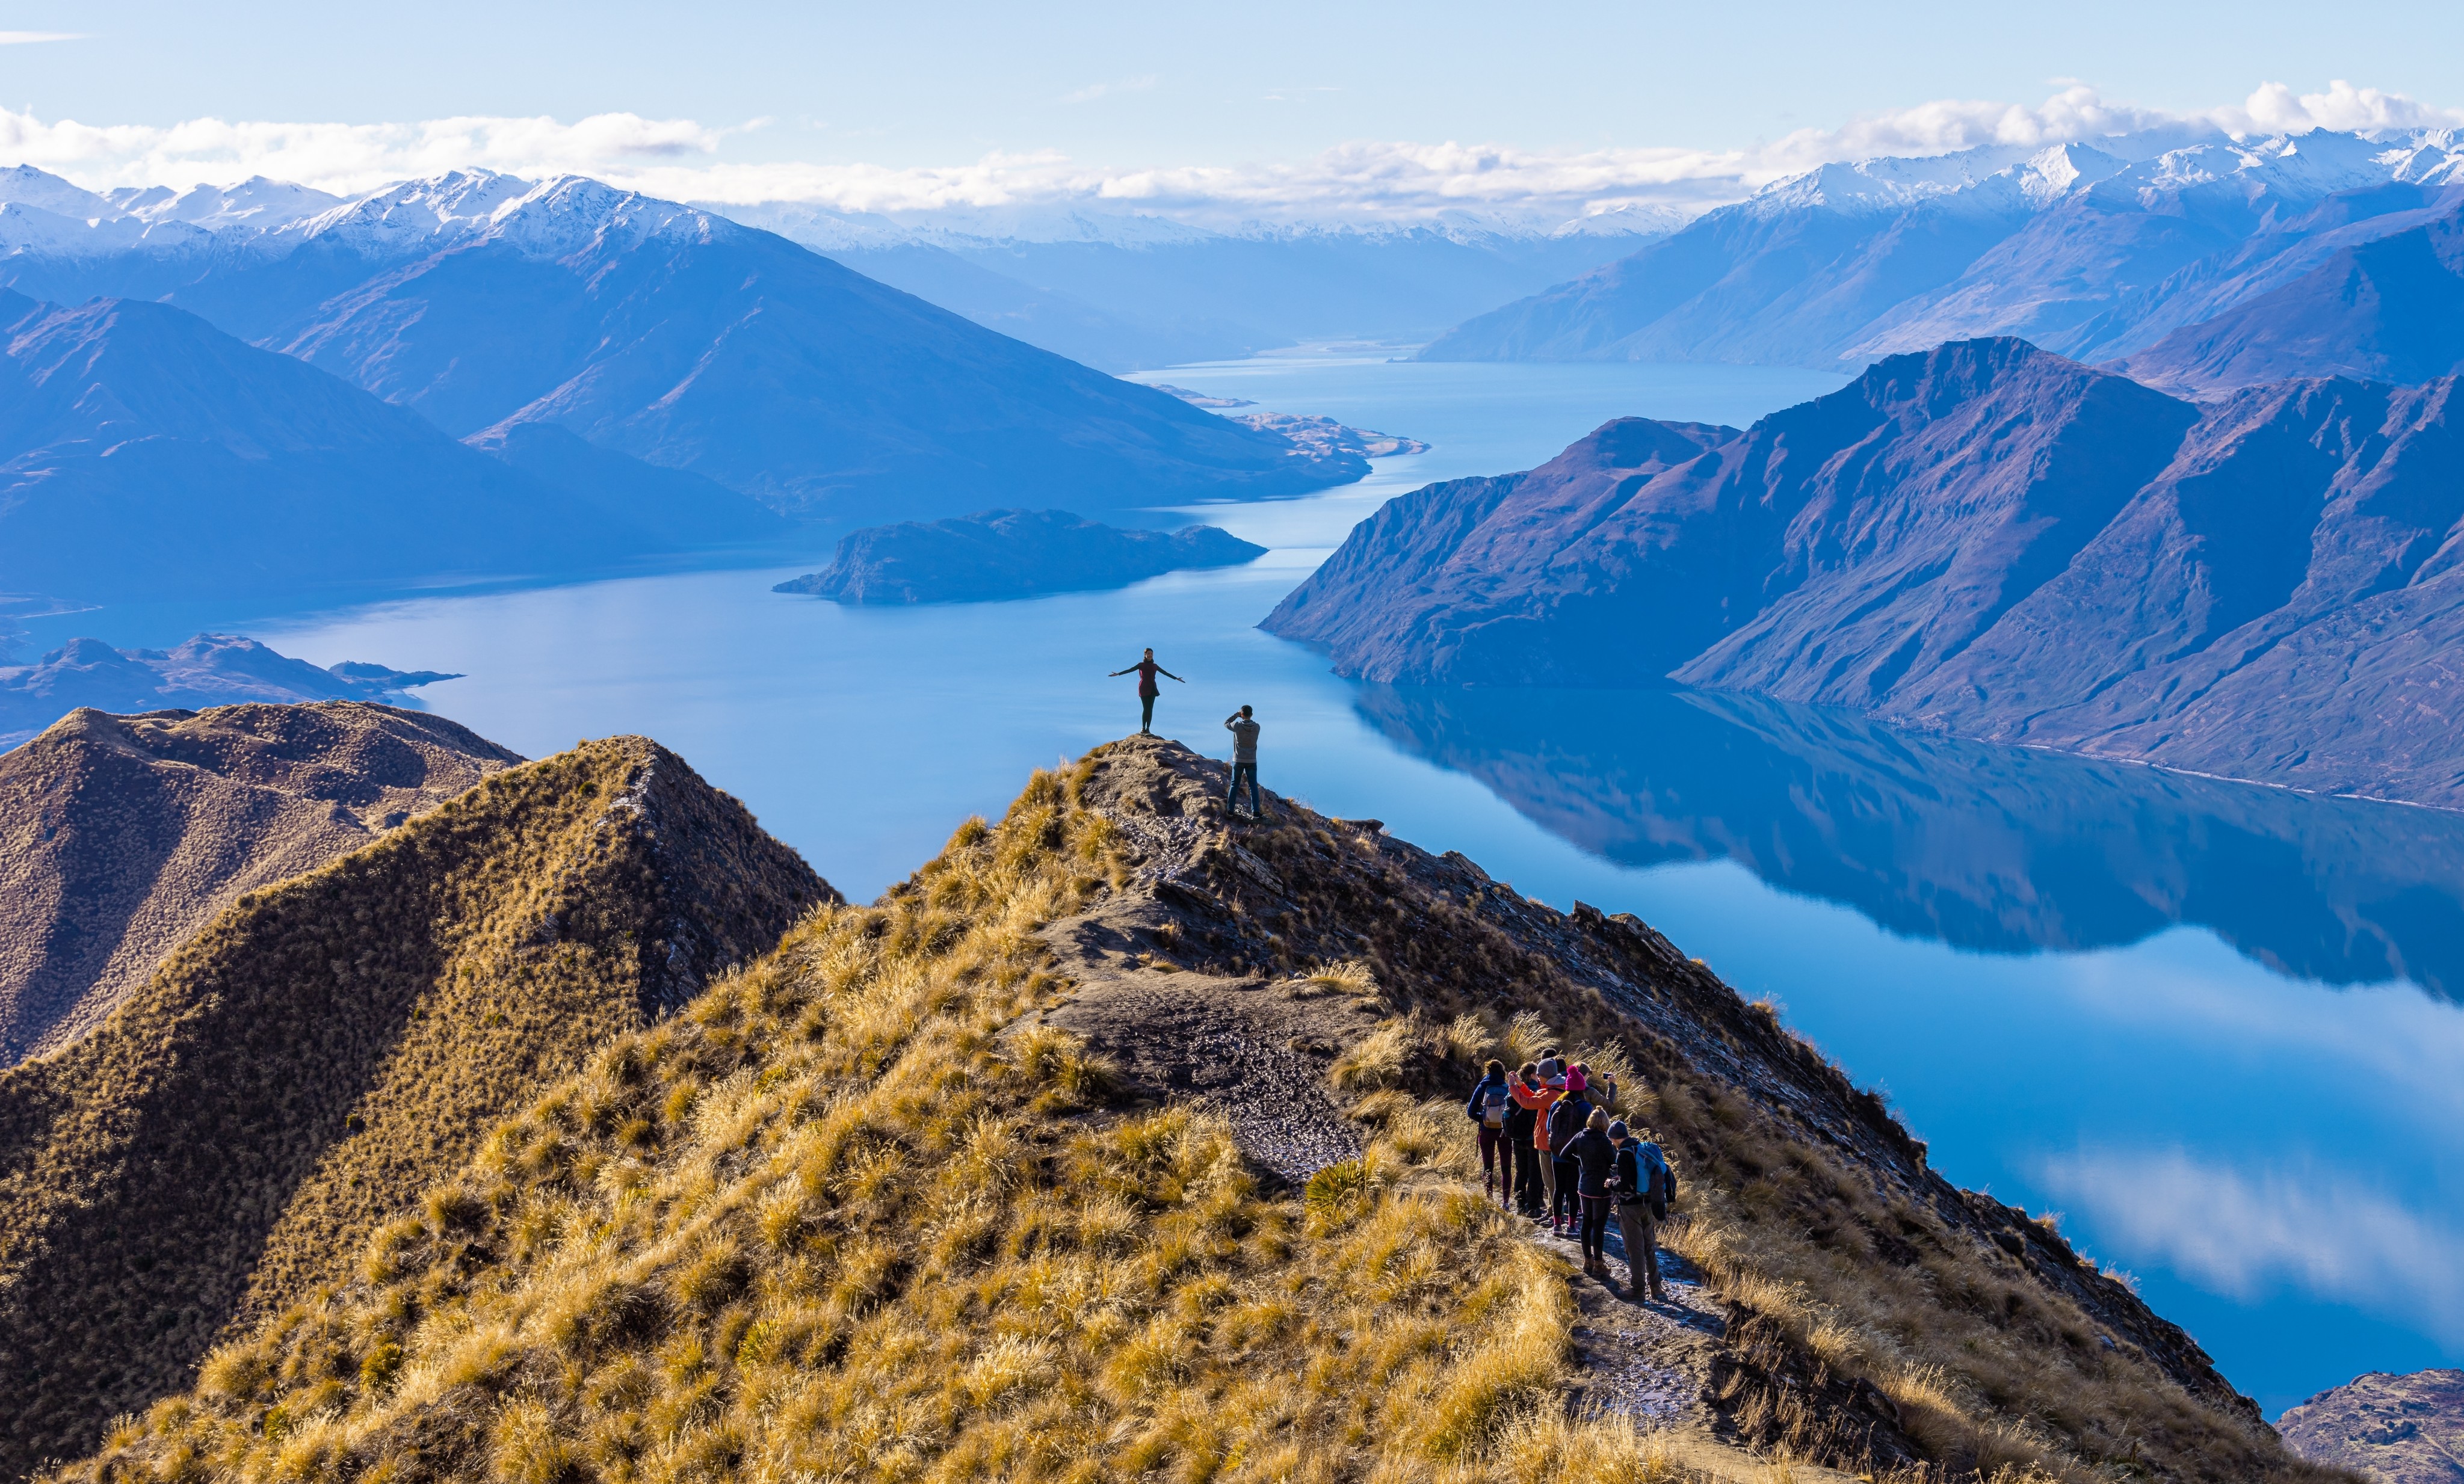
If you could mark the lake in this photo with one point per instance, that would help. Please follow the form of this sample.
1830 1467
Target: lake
2216 1026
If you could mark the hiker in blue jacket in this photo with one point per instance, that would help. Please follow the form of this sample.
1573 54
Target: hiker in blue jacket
1643 1185
1488 1107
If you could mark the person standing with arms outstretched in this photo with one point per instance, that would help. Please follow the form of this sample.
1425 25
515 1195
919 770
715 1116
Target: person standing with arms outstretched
1245 763
1147 669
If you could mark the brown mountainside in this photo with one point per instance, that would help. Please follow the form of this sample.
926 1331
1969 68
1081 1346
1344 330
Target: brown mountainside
2394 1430
226 1139
1124 1142
122 836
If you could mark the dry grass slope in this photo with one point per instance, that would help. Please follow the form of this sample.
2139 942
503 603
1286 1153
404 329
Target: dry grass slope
857 1215
831 1224
122 836
331 1045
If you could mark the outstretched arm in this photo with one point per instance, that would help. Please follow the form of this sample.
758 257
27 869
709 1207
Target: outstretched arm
1161 670
1120 672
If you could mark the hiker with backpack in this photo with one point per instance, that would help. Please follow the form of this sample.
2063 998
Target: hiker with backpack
1643 1185
1566 1118
1521 1125
1487 1108
1594 1161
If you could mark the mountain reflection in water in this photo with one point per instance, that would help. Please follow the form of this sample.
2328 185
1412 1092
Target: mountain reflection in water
2002 849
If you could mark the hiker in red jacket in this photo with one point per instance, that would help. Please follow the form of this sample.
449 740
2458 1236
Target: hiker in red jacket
1146 671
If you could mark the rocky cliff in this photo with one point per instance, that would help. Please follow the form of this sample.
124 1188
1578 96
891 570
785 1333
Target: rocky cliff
1986 539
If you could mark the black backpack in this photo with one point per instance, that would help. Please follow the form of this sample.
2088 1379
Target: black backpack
1565 1122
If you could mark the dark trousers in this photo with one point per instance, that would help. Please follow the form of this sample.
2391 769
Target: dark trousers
1595 1227
1496 1159
1642 1256
1562 1202
1527 1197
1146 711
1245 772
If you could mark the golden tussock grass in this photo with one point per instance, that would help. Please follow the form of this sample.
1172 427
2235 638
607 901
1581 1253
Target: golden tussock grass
833 1223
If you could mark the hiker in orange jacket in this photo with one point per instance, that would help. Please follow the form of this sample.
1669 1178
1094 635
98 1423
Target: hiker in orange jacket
1537 1095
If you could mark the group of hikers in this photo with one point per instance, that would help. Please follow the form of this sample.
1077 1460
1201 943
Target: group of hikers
1546 1148
1243 723
1550 1151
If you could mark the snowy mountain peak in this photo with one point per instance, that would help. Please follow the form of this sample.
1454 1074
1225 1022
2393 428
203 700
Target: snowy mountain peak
1886 183
2051 174
25 186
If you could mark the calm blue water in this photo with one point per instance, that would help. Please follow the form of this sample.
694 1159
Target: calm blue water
2216 1026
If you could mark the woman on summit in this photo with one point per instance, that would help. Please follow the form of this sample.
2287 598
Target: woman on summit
1146 671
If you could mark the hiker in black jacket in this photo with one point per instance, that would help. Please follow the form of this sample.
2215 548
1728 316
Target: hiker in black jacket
1594 1159
1643 1185
1567 1117
1519 1144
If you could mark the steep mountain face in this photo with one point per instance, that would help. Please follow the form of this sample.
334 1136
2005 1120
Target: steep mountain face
146 455
2389 310
1121 1141
679 338
2392 1430
125 835
208 669
1009 554
1987 539
2094 251
227 1139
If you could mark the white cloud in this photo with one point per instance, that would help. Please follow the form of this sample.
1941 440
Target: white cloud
1095 90
30 37
1366 181
2242 1233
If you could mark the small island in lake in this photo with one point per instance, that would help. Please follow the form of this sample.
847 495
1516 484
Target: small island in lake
1009 554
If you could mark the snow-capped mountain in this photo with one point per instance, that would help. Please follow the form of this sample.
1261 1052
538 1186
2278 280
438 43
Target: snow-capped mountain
2096 250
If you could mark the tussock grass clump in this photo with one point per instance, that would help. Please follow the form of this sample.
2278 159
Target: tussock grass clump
839 1220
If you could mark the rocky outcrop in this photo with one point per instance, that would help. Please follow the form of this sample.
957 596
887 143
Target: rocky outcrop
1009 554
1986 539
2393 1430
123 835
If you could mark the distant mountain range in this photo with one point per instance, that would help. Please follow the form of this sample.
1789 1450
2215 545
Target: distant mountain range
1129 293
642 367
2210 266
1986 539
145 454
208 669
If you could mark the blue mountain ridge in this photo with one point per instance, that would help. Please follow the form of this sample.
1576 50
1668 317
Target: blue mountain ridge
1985 540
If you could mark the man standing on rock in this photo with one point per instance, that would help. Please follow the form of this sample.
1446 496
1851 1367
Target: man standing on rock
1244 762
1146 671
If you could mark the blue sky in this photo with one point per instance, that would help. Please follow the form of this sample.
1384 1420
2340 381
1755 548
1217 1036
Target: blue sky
908 86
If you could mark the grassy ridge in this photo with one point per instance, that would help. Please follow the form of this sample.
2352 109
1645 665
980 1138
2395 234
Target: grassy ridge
333 1044
848 1217
833 1223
